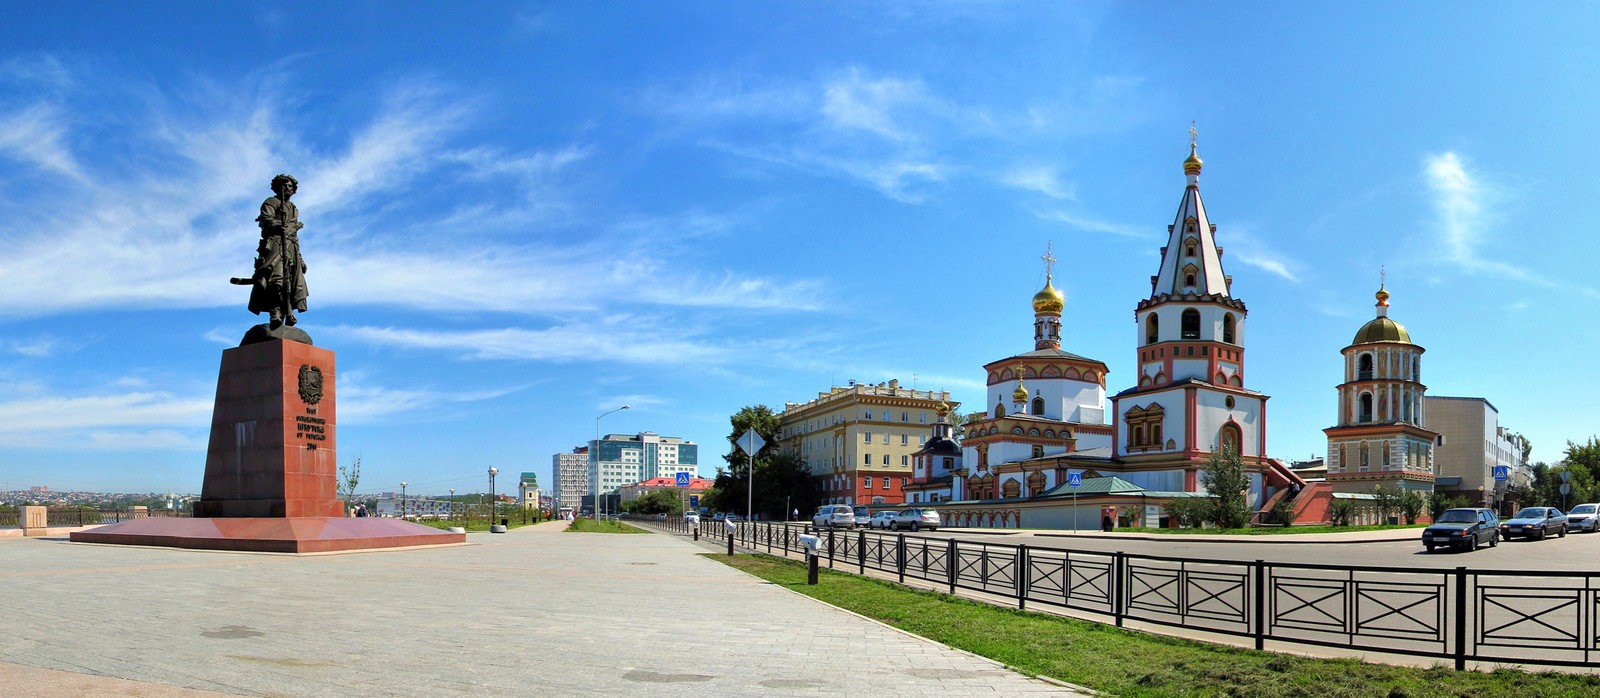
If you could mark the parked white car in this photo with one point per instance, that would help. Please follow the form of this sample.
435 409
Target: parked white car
882 519
915 519
1584 517
834 516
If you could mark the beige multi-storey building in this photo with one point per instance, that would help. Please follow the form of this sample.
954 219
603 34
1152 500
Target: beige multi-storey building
571 474
859 439
1471 444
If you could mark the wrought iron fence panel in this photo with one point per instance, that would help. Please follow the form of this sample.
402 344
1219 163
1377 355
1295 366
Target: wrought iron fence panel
987 568
925 559
1205 595
1536 616
880 553
1399 611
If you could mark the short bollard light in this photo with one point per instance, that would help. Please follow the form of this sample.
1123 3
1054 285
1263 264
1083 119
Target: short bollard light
811 544
731 529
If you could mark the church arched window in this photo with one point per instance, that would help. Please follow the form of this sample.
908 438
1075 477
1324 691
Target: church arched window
1035 484
1364 367
999 410
1227 328
1152 329
1038 407
1366 408
1191 324
1138 435
1155 434
1228 439
1188 279
1416 368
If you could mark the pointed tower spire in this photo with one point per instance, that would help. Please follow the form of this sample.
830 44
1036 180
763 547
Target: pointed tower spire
1191 263
1047 306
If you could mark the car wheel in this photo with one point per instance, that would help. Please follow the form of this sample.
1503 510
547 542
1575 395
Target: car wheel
915 526
1494 538
1563 531
1537 536
1472 543
1429 546
894 525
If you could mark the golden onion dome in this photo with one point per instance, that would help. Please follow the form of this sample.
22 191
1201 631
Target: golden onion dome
1020 395
1382 329
1191 164
943 408
1382 296
1048 301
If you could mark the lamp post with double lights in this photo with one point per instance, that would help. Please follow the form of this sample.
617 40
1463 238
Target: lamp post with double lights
596 453
402 499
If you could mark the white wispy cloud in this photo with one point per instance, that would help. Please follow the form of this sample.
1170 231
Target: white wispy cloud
35 347
633 340
1087 224
851 101
1458 200
43 420
1250 250
363 402
37 135
1042 179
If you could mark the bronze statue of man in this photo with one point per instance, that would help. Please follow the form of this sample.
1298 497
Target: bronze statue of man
278 285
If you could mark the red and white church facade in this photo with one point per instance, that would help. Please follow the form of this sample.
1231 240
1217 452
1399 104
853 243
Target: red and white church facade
1047 417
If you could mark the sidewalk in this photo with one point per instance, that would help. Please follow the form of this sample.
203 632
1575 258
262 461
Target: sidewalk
535 611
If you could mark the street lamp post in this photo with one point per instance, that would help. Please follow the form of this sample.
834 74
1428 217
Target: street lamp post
595 451
492 502
402 499
452 503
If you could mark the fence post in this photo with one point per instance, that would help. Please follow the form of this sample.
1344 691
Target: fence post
1461 618
1019 577
900 557
950 562
830 547
1117 566
1261 604
861 552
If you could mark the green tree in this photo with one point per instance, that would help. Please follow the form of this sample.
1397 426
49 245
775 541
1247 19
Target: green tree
1225 480
780 479
1437 503
1386 500
349 477
1189 512
1342 512
1411 505
657 502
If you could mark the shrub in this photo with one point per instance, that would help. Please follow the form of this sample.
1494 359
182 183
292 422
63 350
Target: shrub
1411 505
1342 512
1283 512
1189 512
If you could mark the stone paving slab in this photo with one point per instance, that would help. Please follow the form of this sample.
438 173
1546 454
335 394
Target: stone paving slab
534 611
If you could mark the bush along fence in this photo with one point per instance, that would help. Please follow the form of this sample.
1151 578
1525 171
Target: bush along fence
1494 616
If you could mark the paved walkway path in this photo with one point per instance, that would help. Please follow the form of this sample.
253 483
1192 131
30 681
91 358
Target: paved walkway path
536 611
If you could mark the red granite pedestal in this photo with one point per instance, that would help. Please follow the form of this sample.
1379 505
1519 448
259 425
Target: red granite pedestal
271 468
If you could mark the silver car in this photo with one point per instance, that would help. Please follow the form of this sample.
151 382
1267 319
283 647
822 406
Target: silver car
1584 517
882 519
915 520
834 516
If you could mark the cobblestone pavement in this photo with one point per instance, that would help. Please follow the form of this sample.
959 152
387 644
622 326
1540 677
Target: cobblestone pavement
537 610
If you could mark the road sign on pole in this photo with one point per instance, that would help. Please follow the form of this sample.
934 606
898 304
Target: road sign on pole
751 443
1502 472
683 480
1074 480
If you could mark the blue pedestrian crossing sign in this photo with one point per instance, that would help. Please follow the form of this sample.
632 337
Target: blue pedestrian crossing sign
1075 479
683 479
1501 472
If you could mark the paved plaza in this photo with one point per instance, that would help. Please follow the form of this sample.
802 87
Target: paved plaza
536 611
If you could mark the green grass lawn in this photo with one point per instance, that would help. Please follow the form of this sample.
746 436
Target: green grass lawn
1265 530
1128 663
606 526
474 524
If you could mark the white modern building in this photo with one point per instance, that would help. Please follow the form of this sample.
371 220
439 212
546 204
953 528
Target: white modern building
621 459
1471 443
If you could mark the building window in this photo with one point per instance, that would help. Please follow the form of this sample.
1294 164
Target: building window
1191 324
1366 407
905 460
1364 368
1229 438
866 482
999 410
1152 329
922 417
885 459
866 437
904 417
886 482
1011 490
1038 451
1227 328
1038 407
866 414
905 439
949 462
866 459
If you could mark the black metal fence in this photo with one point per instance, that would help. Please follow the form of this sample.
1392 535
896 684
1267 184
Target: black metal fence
1463 615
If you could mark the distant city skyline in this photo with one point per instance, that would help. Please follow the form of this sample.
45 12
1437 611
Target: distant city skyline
518 218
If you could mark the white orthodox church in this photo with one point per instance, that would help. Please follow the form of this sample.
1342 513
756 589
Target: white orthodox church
1047 418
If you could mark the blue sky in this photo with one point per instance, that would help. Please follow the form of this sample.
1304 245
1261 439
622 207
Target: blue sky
519 216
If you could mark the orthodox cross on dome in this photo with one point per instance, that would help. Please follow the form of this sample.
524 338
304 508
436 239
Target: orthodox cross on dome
1193 134
1049 260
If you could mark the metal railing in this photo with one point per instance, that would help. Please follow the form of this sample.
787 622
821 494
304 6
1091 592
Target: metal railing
87 517
1494 616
